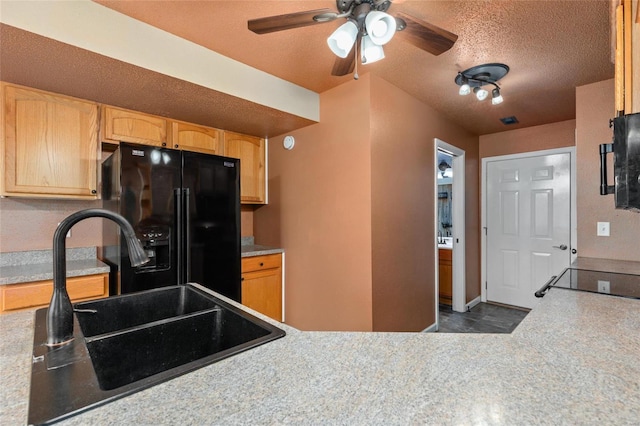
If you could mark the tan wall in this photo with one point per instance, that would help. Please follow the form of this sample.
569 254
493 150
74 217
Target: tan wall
246 221
29 224
320 212
536 138
402 163
594 108
352 205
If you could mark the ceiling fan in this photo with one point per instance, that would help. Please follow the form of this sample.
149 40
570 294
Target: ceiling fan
367 24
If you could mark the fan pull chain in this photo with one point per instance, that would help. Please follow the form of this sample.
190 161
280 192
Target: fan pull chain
355 74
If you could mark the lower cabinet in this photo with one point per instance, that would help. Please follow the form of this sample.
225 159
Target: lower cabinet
15 297
445 273
262 284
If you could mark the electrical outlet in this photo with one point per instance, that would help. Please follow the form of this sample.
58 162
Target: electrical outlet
603 229
604 287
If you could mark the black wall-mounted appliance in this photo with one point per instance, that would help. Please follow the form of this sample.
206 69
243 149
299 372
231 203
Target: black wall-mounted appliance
626 163
185 209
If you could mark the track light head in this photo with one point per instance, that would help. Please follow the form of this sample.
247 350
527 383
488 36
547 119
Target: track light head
480 93
496 97
465 89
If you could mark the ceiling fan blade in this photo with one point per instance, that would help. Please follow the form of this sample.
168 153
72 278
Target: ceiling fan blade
426 36
290 20
344 66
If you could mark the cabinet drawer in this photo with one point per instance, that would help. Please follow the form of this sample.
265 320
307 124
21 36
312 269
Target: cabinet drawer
30 295
258 263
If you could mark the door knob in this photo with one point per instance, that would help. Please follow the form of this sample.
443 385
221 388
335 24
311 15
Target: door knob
561 247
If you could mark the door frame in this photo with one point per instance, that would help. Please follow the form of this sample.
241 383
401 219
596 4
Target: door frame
458 222
573 226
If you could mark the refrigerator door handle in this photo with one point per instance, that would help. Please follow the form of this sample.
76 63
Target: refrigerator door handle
187 234
178 209
605 188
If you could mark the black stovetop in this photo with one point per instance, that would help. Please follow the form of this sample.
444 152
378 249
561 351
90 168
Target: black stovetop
615 284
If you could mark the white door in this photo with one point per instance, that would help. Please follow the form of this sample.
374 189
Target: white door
528 222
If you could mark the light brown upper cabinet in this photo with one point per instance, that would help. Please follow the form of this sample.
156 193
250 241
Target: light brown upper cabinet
50 144
192 137
251 152
627 58
121 125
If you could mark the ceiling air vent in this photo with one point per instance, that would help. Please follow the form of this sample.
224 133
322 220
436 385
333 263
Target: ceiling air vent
509 120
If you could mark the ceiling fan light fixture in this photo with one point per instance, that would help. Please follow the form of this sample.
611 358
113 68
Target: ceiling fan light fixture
496 97
380 26
370 51
480 93
343 39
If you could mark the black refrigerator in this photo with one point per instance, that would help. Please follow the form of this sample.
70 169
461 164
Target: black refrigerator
185 209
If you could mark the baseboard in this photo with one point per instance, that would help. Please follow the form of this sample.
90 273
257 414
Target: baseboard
431 329
473 303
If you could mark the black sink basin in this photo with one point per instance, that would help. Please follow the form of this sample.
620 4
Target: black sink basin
126 311
133 342
123 357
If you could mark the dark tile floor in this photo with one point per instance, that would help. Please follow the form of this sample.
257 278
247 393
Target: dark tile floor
483 318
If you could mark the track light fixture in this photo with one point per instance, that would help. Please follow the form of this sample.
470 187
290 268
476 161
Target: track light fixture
474 78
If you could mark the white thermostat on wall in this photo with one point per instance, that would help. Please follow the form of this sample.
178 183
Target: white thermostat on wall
288 142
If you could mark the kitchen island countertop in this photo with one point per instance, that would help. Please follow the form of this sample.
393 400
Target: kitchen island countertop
573 360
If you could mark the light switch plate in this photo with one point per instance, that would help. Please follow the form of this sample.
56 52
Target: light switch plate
603 229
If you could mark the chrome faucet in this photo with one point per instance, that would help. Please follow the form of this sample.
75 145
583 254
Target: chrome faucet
60 312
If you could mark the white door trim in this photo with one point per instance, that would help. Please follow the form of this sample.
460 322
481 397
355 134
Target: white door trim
571 150
458 225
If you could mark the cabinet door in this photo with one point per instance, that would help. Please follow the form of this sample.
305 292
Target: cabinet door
262 291
445 272
191 137
50 144
251 152
119 125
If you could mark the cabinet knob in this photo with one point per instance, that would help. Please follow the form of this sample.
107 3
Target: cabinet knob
164 144
176 146
261 263
93 191
242 279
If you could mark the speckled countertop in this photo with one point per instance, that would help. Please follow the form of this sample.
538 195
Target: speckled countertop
250 249
37 265
573 360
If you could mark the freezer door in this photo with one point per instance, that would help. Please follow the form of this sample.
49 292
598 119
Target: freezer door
148 178
213 226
